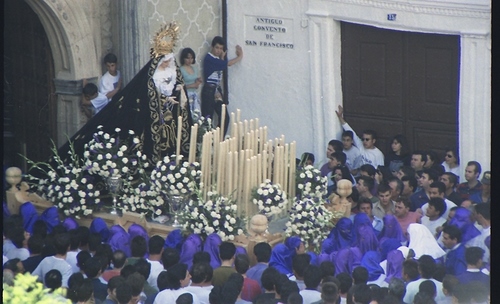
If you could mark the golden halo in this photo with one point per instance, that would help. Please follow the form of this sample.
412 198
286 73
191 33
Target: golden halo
165 39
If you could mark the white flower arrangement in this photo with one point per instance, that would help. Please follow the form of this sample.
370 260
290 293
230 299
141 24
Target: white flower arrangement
269 198
310 182
176 179
309 220
217 214
143 199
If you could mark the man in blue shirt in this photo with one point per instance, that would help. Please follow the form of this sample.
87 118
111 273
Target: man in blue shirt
214 64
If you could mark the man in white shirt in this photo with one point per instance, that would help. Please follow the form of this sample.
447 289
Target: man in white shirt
354 160
437 189
426 268
366 145
201 281
155 246
433 217
483 218
58 261
111 81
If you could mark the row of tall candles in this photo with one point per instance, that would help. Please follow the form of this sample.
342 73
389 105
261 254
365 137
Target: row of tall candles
243 161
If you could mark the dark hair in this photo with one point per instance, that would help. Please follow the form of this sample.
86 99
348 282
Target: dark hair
262 252
433 156
175 274
397 288
400 185
218 40
110 58
365 200
455 153
53 279
119 258
312 277
89 89
185 52
337 145
400 138
484 209
327 268
300 262
412 181
404 200
123 292
427 266
410 268
423 298
81 290
115 282
201 272
61 243
428 287
329 292
345 172
449 282
39 228
94 240
127 270
407 171
227 251
345 282
348 133
185 298
454 232
138 246
370 132
453 178
477 166
75 238
433 175
170 257
473 255
295 298
35 244
92 267
383 188
305 157
12 265
360 275
269 278
369 169
439 272
354 195
422 154
439 185
17 236
368 181
84 233
241 263
339 156
106 251
288 288
202 256
81 259
143 267
438 204
155 244
232 288
362 293
136 283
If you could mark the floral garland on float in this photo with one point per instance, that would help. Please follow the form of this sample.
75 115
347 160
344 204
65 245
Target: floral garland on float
26 289
269 198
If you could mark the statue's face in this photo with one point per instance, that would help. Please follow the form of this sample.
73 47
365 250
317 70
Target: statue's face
165 63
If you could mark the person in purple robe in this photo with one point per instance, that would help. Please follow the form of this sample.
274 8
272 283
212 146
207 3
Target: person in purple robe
51 217
281 259
463 220
136 229
394 268
371 261
392 230
211 246
387 246
347 259
119 239
29 215
98 225
361 219
174 240
70 223
366 239
192 245
342 234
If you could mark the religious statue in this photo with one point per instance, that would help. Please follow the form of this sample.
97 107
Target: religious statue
337 202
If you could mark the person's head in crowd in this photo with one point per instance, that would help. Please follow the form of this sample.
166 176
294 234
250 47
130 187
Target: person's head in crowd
94 240
119 259
410 184
330 279
449 284
418 160
399 145
14 265
450 180
396 185
143 267
307 159
232 288
369 138
347 139
402 207
127 270
439 273
437 189
474 257
426 266
299 264
201 257
451 214
334 146
75 238
337 159
84 233
482 213
227 251
40 228
377 292
468 204
57 229
405 171
135 282
262 252
367 170
35 244
287 288
432 159
62 243
93 267
327 268
138 247
361 294
155 245
472 171
312 277
410 270
241 263
365 184
428 287
81 259
81 291
113 284
427 177
359 275
397 288
295 298
53 279
451 157
177 277
341 172
345 282
280 281
329 293
269 278
436 208
201 273
106 251
353 198
384 194
185 298
170 257
295 244
451 236
423 298
366 206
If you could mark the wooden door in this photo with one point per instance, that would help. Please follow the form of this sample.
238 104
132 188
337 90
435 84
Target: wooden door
401 83
30 103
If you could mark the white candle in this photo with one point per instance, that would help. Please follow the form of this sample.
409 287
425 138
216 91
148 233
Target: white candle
223 121
179 135
238 115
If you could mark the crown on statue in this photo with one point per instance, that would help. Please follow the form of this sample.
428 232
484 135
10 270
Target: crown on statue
165 39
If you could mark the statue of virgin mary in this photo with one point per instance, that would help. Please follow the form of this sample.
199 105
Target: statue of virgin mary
149 105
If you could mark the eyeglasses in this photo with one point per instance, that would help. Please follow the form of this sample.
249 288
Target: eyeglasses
449 155
367 139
